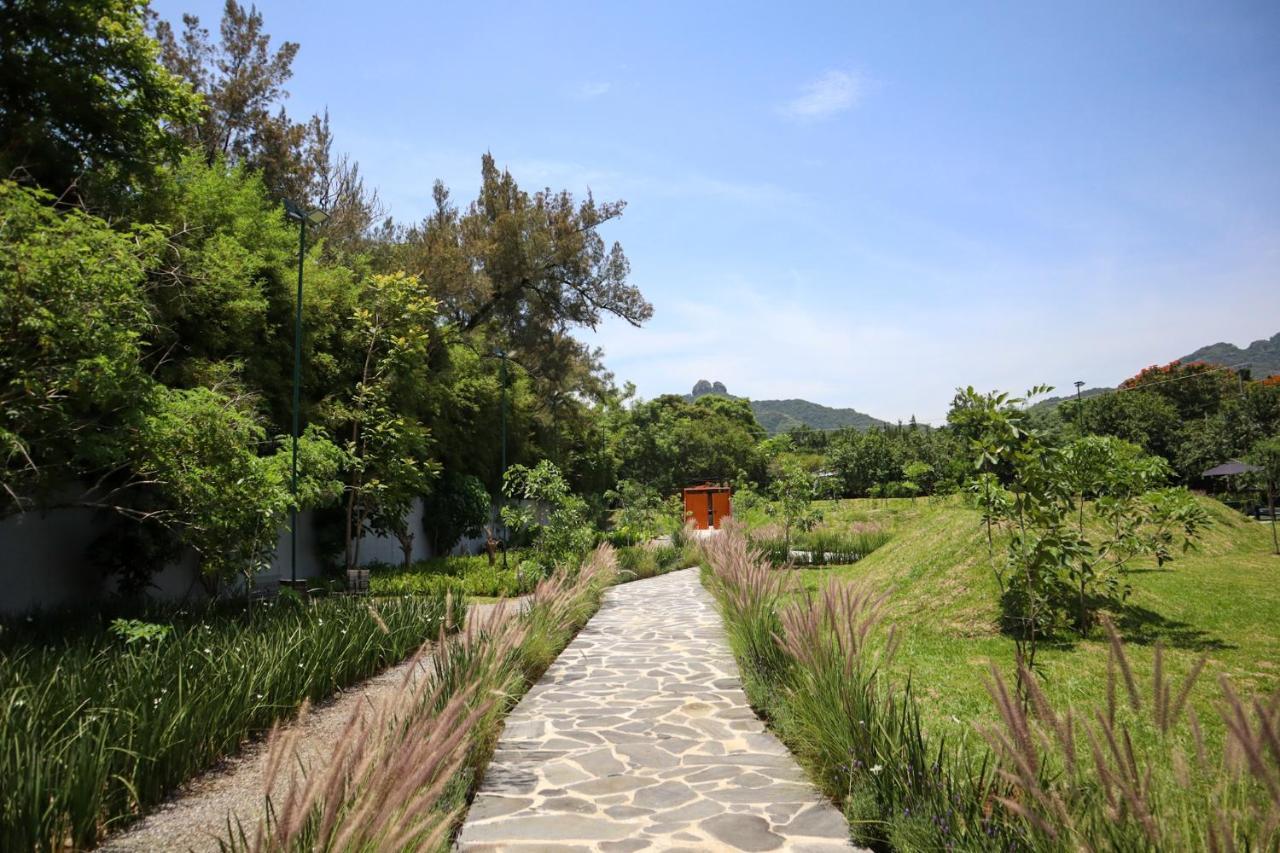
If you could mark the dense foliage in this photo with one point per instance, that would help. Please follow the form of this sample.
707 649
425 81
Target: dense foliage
148 279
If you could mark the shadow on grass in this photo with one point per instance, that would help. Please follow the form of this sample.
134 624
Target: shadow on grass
1137 625
1143 626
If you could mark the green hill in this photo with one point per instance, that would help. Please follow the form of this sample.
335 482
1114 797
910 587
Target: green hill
1221 600
1049 403
1261 357
778 416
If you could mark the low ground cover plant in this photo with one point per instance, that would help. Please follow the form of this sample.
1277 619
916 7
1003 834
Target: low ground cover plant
637 562
403 774
472 576
97 725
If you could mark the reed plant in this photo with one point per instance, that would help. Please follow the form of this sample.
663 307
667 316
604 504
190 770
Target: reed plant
95 728
818 547
1098 780
637 562
1135 774
403 770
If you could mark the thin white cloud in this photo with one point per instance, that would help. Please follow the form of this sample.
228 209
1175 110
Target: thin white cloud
833 92
587 91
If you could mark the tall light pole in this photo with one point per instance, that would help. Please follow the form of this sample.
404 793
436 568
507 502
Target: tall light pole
503 478
315 217
1079 407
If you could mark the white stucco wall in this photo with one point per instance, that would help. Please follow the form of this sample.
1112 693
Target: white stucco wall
45 560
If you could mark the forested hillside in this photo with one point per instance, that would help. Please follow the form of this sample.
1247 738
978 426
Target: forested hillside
1262 358
778 416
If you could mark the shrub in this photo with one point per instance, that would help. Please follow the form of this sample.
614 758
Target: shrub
96 726
819 547
462 575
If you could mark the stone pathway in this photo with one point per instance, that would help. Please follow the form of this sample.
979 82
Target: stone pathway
640 737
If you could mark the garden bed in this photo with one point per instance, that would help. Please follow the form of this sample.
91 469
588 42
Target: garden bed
96 726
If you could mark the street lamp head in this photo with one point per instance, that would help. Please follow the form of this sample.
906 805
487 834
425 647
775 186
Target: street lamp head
297 214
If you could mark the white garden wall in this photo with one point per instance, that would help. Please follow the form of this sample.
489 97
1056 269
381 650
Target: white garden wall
45 561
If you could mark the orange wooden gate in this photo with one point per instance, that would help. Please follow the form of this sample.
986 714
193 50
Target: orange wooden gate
707 505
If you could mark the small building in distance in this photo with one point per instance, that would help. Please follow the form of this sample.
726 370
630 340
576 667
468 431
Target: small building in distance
707 504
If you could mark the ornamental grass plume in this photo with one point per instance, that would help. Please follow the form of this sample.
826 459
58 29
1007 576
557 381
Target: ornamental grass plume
1091 783
833 628
385 785
401 770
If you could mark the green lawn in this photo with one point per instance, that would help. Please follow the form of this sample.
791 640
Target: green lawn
1222 600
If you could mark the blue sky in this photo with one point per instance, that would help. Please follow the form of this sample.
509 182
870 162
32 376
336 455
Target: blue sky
863 205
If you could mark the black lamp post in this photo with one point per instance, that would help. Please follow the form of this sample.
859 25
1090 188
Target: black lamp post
1079 407
315 217
503 479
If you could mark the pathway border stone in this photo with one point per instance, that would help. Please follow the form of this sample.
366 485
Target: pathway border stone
640 737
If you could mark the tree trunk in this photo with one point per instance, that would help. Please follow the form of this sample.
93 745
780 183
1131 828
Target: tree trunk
406 545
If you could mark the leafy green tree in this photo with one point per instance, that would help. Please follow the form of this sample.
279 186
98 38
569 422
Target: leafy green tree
1249 417
793 491
228 502
225 265
458 505
388 447
1195 389
550 512
241 81
74 316
1030 485
917 473
638 509
525 269
84 105
864 460
668 442
1139 416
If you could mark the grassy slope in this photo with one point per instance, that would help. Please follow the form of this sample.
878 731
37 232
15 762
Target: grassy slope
1223 601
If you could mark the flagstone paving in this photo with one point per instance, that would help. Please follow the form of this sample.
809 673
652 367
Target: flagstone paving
639 737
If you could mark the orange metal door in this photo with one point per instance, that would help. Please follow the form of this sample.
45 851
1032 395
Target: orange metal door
695 509
720 509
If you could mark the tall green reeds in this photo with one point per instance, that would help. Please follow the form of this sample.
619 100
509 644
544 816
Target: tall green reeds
93 730
821 547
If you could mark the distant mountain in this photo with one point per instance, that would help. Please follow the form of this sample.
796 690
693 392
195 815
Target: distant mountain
1052 402
1261 357
778 416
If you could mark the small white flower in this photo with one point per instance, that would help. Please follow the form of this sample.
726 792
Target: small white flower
208 651
260 696
877 768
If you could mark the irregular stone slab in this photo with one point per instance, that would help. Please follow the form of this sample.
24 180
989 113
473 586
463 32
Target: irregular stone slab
640 738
